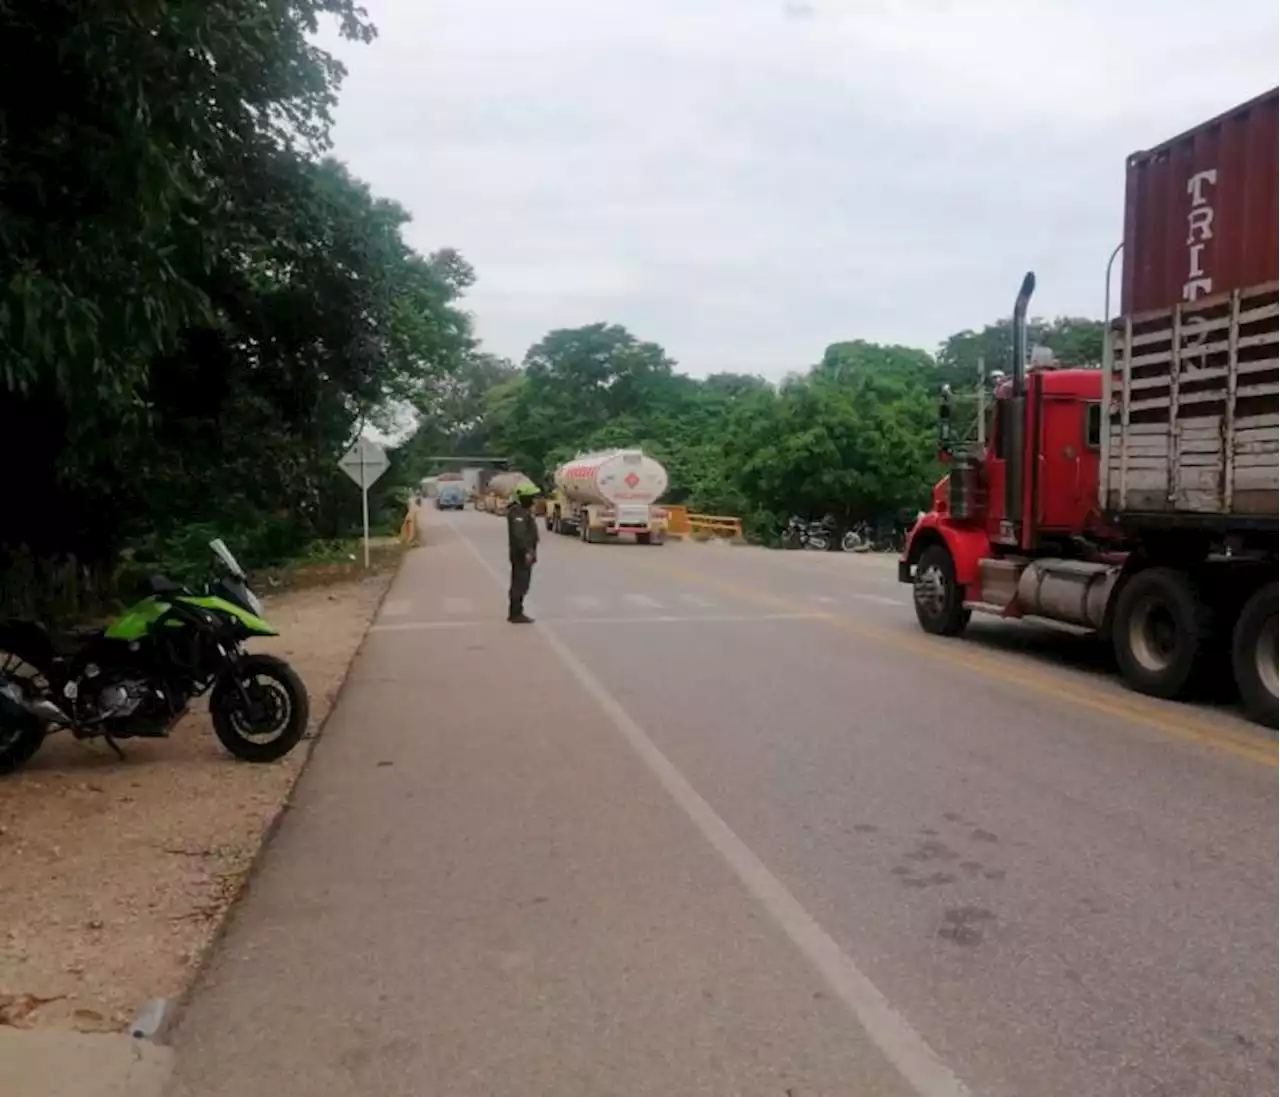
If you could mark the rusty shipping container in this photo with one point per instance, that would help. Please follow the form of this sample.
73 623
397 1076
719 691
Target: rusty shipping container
1200 211
1193 388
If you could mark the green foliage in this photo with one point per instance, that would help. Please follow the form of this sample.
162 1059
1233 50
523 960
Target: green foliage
854 437
199 312
1074 341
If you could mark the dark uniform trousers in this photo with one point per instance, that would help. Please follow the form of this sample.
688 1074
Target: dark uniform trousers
521 574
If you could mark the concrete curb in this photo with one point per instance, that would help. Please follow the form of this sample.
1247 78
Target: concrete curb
157 1017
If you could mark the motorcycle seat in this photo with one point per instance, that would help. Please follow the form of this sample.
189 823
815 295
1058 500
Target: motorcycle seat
158 584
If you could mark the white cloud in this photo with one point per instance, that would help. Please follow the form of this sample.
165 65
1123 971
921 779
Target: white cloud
747 180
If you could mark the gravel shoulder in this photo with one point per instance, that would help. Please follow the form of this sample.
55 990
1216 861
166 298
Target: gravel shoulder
116 875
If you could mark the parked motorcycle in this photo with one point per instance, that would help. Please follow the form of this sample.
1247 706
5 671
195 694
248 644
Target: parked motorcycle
857 539
800 534
137 677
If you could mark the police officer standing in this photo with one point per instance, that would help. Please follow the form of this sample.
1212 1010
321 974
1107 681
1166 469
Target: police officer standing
522 543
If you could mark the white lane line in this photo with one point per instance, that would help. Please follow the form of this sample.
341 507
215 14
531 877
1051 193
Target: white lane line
698 619
396 607
892 1033
458 607
698 600
825 599
881 599
585 601
648 619
641 600
420 626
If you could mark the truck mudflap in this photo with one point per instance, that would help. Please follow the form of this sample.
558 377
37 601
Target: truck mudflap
904 572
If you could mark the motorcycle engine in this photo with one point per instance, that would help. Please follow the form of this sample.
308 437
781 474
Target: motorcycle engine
121 699
124 707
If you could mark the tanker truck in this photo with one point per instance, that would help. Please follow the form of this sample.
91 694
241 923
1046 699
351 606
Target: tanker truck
1138 502
600 496
500 490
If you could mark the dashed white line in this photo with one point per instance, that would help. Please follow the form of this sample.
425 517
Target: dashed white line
641 600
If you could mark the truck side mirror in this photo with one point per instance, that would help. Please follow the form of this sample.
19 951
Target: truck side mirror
944 420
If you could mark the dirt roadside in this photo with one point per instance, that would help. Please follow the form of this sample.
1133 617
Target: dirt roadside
115 876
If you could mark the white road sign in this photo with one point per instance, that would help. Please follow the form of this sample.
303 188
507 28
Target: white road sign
364 463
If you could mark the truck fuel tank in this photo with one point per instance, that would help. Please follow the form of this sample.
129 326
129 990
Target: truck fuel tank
1073 591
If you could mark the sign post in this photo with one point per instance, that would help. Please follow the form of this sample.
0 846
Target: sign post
364 463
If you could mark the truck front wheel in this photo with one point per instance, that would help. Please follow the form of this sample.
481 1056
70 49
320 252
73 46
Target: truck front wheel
1253 656
938 598
1160 632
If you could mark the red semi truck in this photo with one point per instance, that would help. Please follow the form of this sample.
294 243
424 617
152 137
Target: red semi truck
1139 501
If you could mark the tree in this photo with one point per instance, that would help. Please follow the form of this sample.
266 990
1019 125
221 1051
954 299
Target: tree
1074 341
575 382
113 196
200 312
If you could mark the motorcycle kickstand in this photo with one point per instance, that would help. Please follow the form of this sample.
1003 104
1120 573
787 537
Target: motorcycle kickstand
115 747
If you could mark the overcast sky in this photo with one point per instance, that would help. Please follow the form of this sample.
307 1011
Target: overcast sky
746 181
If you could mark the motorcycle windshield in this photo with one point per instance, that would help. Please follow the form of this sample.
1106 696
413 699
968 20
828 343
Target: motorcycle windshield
224 554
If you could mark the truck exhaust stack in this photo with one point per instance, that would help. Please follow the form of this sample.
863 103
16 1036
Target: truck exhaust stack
1016 460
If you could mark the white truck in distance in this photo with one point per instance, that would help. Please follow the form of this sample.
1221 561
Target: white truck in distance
600 496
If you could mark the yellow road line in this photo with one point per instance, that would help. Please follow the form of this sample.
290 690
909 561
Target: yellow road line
1007 671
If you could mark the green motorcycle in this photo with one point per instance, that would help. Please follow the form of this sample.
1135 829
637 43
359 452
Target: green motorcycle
137 678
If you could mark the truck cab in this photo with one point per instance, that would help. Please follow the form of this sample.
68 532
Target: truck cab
1026 491
1059 429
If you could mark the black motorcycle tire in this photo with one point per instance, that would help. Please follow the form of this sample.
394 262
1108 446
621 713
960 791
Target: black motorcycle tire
21 734
225 701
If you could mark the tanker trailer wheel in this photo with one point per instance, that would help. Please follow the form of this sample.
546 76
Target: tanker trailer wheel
1160 632
1253 656
938 598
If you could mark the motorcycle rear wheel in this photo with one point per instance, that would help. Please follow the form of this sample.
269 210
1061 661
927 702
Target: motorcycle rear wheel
21 732
280 708
20 737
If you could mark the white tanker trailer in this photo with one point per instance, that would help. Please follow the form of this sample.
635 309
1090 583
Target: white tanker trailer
603 495
501 488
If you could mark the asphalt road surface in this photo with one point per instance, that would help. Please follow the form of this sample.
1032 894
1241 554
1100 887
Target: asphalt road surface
726 822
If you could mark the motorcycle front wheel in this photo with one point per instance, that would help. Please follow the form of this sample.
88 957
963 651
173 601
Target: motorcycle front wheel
851 542
260 712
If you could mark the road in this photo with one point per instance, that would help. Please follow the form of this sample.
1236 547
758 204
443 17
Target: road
725 822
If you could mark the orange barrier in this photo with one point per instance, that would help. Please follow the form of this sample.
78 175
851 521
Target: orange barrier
677 520
705 526
409 527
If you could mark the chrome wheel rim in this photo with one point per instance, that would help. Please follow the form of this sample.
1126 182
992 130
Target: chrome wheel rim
931 591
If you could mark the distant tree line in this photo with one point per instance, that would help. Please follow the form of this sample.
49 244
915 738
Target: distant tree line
853 436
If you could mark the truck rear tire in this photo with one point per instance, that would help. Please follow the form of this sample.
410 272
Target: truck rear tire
642 538
1160 632
938 598
1253 657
